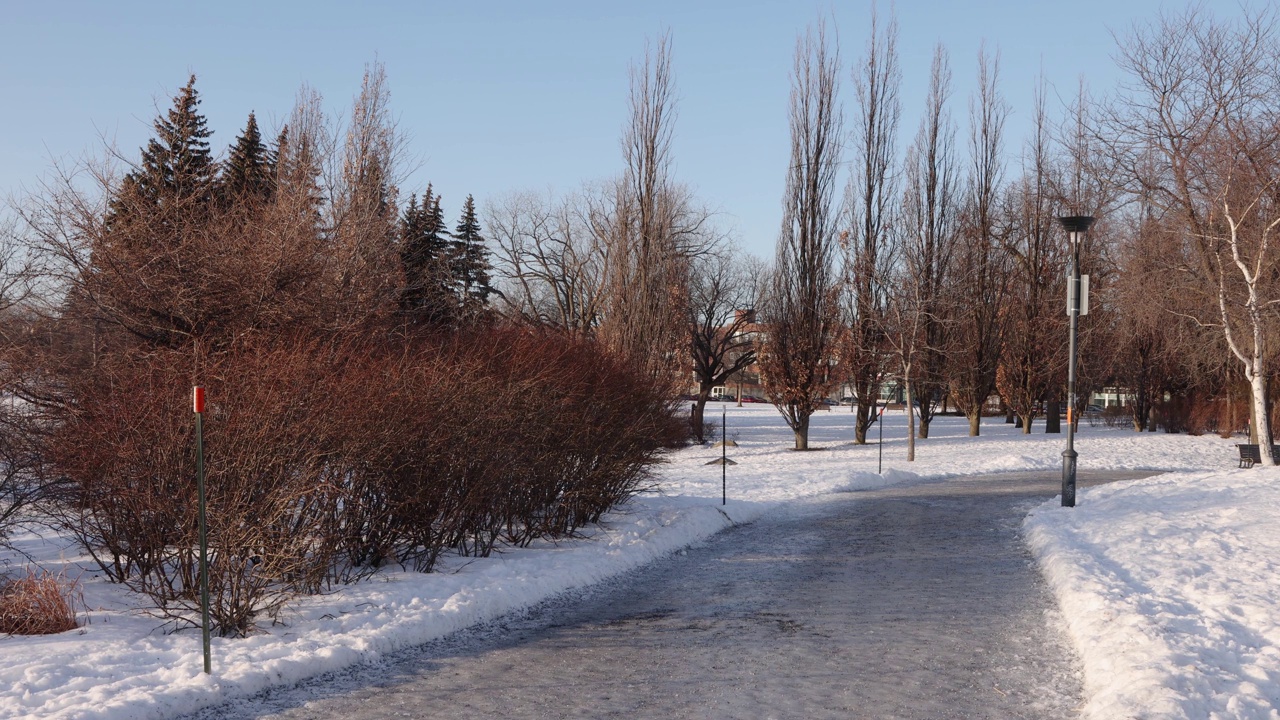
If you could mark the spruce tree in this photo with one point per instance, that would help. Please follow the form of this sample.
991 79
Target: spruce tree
176 167
148 267
470 262
249 174
424 256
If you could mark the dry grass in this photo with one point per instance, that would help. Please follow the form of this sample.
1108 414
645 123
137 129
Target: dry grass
41 603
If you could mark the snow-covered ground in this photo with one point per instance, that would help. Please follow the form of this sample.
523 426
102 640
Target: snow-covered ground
1169 587
1174 568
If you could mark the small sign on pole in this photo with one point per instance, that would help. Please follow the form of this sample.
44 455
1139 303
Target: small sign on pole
197 404
1084 295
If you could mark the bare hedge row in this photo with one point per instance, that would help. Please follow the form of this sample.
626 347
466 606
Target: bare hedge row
326 461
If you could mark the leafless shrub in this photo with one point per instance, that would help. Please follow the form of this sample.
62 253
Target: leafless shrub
327 460
39 603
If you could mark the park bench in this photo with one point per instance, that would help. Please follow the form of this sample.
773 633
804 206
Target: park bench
1250 454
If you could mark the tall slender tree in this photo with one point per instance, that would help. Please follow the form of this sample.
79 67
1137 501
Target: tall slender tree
981 290
362 217
801 311
930 211
871 200
1034 354
650 230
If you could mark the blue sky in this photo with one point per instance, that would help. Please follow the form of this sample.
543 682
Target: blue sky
504 96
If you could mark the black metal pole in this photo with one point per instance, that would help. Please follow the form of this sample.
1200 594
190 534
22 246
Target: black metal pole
204 544
1075 227
724 461
1069 455
880 422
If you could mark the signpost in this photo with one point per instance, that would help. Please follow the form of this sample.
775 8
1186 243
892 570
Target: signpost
880 422
724 462
197 403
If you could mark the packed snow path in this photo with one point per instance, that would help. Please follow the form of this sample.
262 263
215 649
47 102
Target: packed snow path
906 602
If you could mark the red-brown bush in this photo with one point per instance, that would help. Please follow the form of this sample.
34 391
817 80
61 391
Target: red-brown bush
326 460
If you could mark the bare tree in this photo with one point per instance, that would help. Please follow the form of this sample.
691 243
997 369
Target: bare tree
19 485
870 200
722 307
1200 103
1086 183
929 213
365 276
651 228
552 264
1034 351
1144 334
801 314
982 270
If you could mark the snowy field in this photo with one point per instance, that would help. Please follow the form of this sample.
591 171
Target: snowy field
1166 580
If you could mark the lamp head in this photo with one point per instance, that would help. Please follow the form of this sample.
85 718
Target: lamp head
1076 223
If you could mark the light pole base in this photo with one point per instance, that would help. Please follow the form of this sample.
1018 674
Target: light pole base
1069 477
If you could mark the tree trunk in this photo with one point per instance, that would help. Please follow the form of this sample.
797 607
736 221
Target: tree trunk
1052 423
1139 414
1260 428
975 422
802 434
699 411
862 424
1026 423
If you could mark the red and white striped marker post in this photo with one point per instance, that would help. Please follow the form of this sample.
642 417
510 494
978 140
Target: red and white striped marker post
197 404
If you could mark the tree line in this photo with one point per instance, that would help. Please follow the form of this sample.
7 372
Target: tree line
942 268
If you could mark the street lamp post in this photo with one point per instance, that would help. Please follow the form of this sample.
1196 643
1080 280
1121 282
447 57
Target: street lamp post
1076 226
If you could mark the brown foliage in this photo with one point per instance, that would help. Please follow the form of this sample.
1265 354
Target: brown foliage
326 460
39 603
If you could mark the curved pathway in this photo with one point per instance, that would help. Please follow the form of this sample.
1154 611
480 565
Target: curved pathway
907 602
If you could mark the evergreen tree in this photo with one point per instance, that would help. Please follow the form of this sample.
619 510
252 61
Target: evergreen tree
424 255
249 173
149 270
177 171
470 263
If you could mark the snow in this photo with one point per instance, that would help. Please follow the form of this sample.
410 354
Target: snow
1174 569
1168 587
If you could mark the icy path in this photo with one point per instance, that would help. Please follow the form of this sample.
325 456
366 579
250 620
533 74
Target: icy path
907 602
